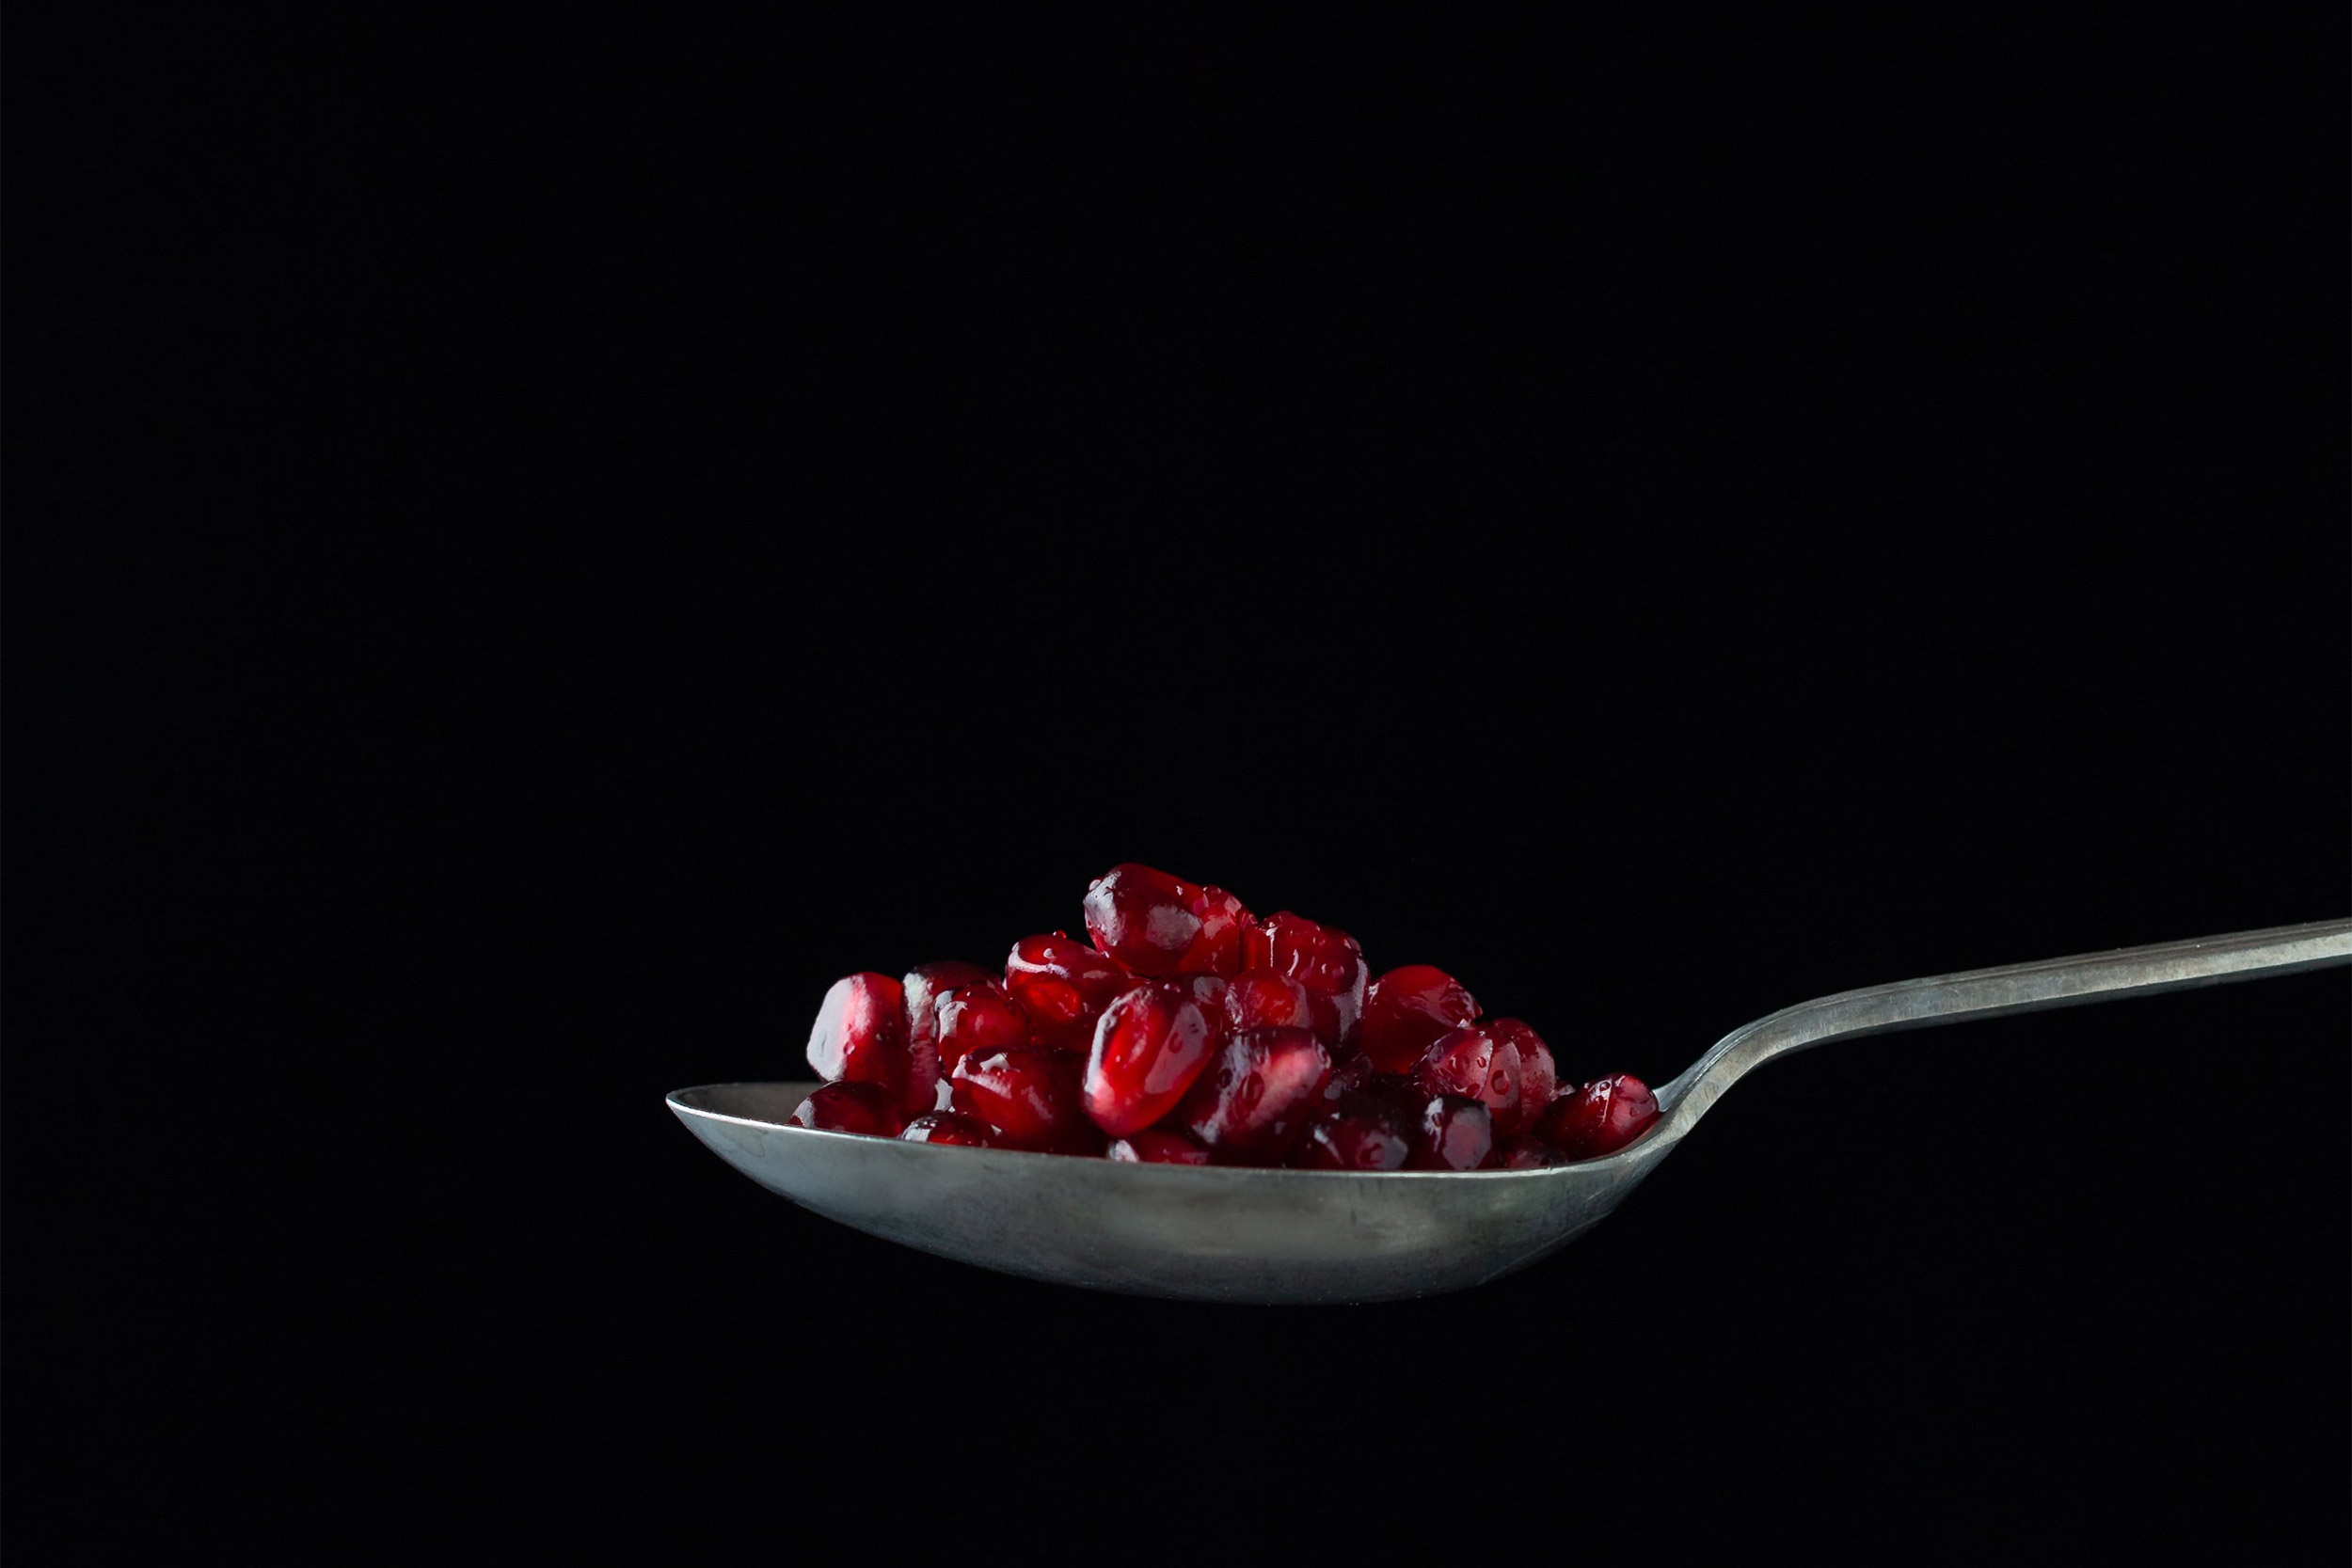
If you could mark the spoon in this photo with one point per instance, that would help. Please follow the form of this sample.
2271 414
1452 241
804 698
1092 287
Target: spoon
1229 1233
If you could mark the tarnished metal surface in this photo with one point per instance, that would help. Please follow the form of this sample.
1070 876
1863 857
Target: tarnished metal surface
1285 1236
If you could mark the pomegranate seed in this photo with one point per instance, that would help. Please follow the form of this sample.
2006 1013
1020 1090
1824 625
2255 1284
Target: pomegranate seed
871 1109
1030 1095
1207 993
1149 1046
1599 1118
1156 1146
1218 948
1525 1153
861 1034
1261 999
1324 960
1407 1008
1251 1105
1146 919
1456 1132
923 985
949 1127
1360 1131
1471 1061
1539 1083
978 1017
1194 1033
1063 985
1356 1074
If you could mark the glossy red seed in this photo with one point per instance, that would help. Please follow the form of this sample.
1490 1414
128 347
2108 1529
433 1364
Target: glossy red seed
1030 1095
1407 1008
1146 919
979 1017
946 1127
1218 947
1539 1085
923 985
871 1109
1471 1061
1148 1047
1324 960
861 1034
1455 1132
1599 1118
1063 985
1208 993
1251 1104
1261 999
1360 1131
1156 1146
1525 1153
1356 1074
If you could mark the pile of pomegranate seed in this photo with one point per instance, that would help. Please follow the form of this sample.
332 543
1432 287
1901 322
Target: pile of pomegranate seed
1193 1033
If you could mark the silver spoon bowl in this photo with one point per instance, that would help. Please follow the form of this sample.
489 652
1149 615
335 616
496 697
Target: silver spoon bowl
1217 1233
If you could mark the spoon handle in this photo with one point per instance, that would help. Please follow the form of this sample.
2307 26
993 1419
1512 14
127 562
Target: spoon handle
1984 993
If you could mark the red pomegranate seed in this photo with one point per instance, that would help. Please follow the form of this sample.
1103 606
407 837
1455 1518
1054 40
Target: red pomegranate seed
946 1127
1148 1047
1251 1105
861 1034
923 985
1324 960
1223 920
1599 1118
1146 919
1356 1074
1471 1061
1208 993
1455 1133
1539 1083
1063 985
978 1017
1407 1008
1525 1153
871 1109
1360 1131
1261 999
1156 1146
1030 1095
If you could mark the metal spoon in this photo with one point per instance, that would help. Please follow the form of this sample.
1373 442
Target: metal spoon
1293 1236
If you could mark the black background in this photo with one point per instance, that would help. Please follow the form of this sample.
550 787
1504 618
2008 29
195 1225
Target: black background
530 553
